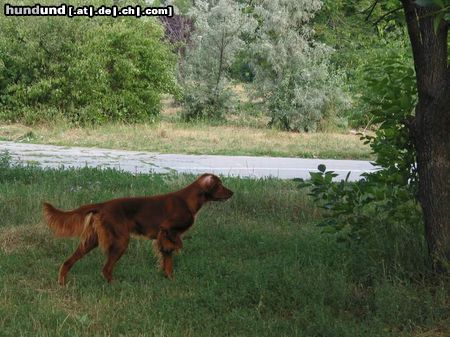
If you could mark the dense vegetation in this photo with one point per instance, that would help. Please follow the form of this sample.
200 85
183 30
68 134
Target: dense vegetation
276 52
82 70
366 38
103 69
254 266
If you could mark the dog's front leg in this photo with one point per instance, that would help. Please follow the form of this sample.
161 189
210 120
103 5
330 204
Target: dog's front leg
167 242
167 264
165 260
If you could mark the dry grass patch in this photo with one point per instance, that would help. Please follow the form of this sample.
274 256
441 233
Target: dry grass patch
169 137
14 132
442 331
23 237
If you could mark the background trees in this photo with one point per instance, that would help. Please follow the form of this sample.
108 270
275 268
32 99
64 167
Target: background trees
218 36
292 69
304 62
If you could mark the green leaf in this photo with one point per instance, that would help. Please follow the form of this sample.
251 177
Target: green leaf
329 176
316 177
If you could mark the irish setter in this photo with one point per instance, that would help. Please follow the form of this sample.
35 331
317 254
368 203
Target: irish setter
163 218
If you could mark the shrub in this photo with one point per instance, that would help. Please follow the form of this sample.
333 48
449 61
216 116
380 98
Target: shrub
377 218
86 70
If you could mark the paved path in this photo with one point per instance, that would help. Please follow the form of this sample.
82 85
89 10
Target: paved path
144 162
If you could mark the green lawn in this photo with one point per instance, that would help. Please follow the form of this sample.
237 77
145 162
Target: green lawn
253 266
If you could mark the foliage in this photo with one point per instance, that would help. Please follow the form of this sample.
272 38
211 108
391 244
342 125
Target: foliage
362 33
382 206
391 97
215 42
85 70
241 69
377 217
292 70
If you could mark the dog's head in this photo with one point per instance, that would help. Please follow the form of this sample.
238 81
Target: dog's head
213 188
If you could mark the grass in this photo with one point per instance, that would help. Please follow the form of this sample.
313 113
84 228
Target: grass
253 266
194 138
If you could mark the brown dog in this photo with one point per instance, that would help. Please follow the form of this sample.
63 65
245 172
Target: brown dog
109 224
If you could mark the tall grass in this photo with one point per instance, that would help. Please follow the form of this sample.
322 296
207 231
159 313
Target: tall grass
253 266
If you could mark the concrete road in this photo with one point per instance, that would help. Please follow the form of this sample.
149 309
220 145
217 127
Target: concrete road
144 162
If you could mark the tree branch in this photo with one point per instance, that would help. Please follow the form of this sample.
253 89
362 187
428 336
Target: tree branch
371 9
386 15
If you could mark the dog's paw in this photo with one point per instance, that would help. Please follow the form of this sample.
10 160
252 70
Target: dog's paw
62 280
169 276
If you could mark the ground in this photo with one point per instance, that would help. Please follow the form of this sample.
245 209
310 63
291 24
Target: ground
255 265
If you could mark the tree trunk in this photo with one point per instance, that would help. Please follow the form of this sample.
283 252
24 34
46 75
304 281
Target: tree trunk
433 156
431 128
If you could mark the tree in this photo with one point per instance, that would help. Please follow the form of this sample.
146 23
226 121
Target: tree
430 128
412 143
292 69
217 37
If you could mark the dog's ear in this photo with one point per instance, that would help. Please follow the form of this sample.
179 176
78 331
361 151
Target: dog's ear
207 182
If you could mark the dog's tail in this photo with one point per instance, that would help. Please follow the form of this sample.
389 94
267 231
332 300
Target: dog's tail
77 222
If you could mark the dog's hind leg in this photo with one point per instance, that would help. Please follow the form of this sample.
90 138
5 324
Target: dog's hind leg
83 249
115 252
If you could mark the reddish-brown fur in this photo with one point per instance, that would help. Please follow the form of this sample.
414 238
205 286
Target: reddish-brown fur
163 218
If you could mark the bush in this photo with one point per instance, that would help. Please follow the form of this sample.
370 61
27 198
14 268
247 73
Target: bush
304 100
390 99
85 70
379 219
199 103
